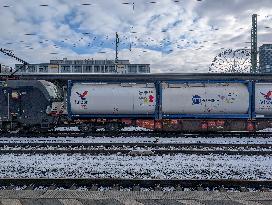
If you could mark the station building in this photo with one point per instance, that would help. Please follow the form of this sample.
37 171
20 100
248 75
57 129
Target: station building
85 66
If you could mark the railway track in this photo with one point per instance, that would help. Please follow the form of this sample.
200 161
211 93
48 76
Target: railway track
136 184
137 134
136 148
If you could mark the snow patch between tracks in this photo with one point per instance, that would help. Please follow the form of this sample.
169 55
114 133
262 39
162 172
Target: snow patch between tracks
180 166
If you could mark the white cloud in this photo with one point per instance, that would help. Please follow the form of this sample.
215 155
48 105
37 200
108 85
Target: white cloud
194 31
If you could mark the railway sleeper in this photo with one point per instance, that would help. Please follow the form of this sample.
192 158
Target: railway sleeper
137 185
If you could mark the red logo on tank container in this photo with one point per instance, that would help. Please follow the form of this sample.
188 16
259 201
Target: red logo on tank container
82 102
267 98
267 95
83 95
151 98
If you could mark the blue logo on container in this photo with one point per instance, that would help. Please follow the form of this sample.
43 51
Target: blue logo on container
196 100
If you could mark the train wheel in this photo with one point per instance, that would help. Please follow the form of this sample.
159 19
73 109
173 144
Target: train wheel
7 127
10 127
25 130
35 129
86 128
112 127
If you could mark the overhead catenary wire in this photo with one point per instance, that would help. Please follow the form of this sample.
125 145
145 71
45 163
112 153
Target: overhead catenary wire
10 54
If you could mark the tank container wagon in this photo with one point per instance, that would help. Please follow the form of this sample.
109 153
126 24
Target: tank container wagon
262 105
111 105
189 106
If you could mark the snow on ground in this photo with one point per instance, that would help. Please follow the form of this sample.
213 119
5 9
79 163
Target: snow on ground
266 130
135 129
131 128
179 166
139 139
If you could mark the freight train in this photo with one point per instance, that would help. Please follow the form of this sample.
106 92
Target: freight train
182 105
28 105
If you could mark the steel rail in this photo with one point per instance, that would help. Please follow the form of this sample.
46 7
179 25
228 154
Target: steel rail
138 133
130 152
131 144
135 184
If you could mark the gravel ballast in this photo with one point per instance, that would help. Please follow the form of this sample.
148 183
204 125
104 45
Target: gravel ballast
137 139
180 166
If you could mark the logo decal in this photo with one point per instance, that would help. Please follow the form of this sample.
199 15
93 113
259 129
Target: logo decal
267 100
82 102
196 100
268 95
151 98
227 99
146 97
83 95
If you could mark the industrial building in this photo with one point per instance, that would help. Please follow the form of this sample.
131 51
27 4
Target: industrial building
85 66
265 58
5 69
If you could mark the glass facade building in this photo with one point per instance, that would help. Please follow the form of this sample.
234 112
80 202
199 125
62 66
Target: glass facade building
265 58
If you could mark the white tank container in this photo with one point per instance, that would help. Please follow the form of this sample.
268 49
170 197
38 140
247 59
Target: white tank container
90 98
205 98
263 99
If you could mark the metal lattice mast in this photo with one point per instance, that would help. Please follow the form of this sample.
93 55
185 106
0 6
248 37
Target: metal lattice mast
254 46
116 47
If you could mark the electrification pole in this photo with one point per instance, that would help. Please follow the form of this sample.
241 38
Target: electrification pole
254 46
116 47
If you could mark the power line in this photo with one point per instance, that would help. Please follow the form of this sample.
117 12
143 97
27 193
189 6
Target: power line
10 54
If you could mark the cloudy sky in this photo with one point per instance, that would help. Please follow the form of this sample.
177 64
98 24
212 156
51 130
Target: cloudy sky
172 36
